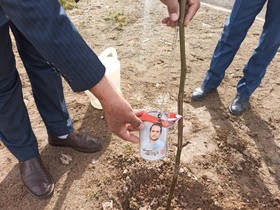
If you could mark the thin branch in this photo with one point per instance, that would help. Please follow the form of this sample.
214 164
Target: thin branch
180 103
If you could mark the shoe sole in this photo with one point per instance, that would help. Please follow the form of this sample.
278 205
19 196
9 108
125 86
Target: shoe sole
200 99
43 196
235 113
230 111
76 148
48 195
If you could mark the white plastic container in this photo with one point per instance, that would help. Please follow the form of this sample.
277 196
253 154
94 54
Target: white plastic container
110 60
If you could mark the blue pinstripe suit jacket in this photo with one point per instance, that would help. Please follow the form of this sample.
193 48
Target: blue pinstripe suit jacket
45 24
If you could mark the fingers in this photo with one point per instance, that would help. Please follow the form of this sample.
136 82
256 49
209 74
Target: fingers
191 10
140 112
131 128
173 10
136 124
127 136
174 16
169 23
129 124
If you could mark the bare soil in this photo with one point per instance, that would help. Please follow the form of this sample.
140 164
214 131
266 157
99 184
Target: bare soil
227 163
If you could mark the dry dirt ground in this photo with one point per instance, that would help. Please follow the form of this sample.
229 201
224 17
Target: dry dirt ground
228 162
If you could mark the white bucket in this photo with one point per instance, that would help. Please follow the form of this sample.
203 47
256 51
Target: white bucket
110 60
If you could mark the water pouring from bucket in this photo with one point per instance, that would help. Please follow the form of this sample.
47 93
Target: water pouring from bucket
110 60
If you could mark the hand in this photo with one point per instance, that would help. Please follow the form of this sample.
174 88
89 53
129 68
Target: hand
120 117
122 120
173 9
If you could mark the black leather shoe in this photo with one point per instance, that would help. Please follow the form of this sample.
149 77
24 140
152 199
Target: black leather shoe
238 105
79 141
200 93
35 177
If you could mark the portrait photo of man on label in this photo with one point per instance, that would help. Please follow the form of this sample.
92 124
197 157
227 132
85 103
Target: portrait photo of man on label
153 140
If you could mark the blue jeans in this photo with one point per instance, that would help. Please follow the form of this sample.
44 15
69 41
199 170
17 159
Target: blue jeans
236 27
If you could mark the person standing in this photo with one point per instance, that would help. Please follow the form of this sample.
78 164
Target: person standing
51 47
236 27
